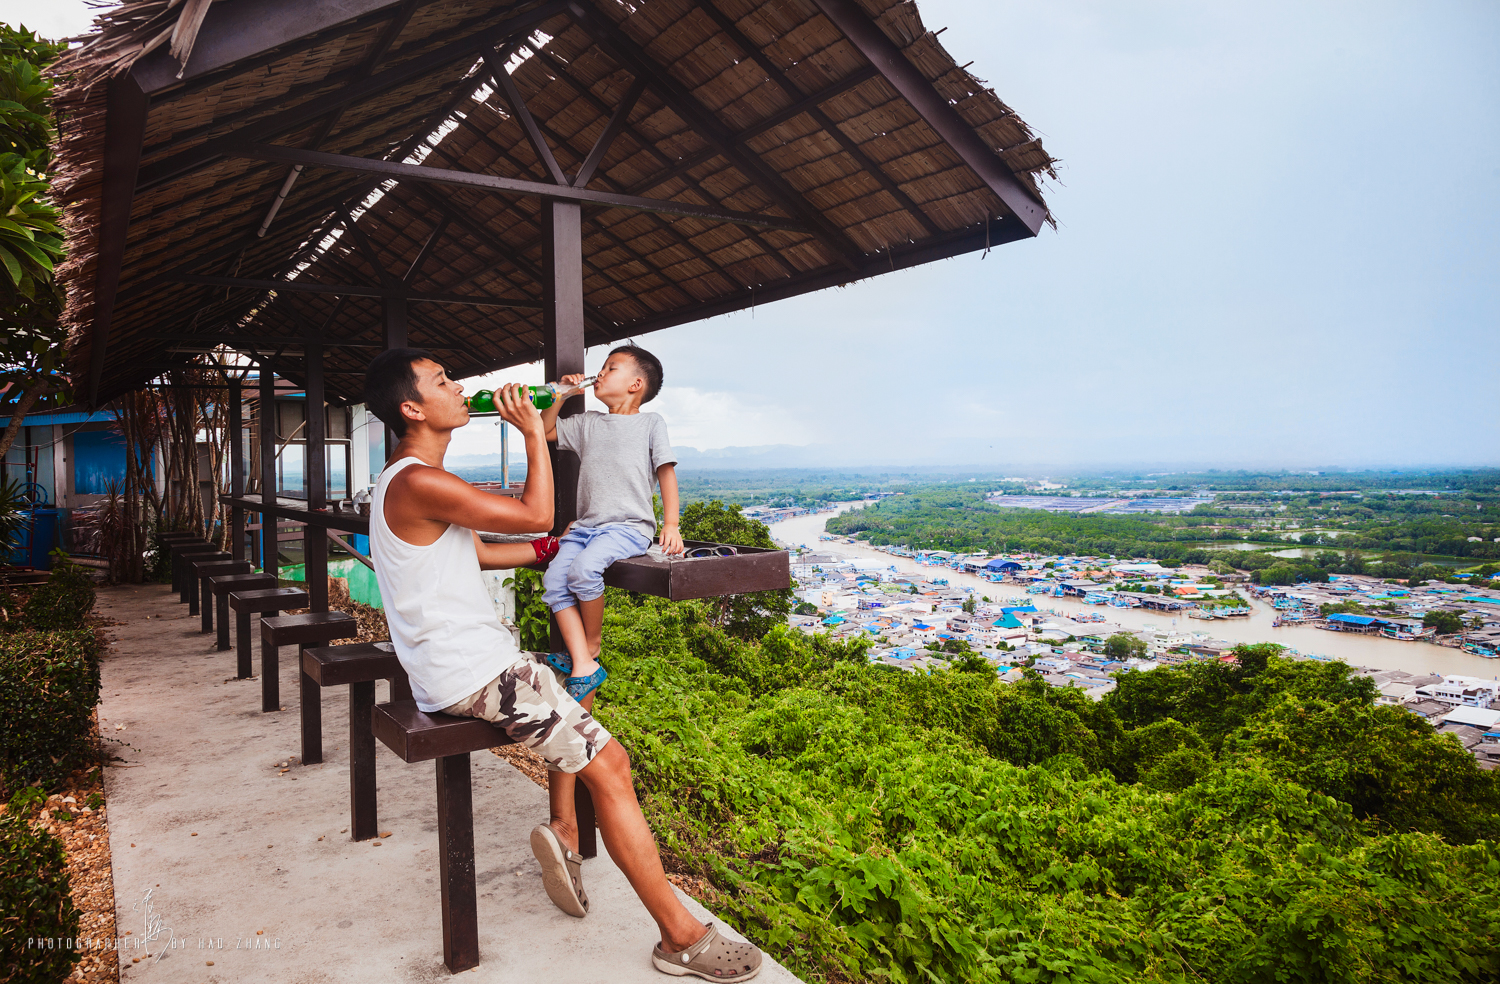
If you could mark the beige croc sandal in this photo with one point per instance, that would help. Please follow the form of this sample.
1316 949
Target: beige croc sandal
562 871
713 958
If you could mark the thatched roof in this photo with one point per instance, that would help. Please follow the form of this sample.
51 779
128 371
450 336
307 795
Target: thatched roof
835 166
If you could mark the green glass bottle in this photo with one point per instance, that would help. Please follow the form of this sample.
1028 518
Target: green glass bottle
481 402
547 394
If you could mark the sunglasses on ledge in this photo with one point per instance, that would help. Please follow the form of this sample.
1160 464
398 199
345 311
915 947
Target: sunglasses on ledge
712 552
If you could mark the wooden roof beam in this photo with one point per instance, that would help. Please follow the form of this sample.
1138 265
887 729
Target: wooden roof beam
612 129
786 85
506 87
512 186
682 102
893 65
796 109
428 245
650 147
600 227
126 106
354 290
298 116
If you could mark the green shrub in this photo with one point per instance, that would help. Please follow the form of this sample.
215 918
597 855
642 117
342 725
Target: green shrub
159 563
64 601
35 905
903 828
49 684
533 617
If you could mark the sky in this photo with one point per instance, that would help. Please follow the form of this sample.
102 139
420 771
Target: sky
1277 246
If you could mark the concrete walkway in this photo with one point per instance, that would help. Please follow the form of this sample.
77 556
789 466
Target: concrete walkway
234 861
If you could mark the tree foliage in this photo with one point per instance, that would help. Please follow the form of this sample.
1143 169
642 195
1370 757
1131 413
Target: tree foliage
865 824
748 616
31 238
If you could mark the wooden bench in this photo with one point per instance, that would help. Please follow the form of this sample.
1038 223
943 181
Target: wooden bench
221 585
416 736
166 541
190 564
248 604
180 551
309 628
357 666
200 570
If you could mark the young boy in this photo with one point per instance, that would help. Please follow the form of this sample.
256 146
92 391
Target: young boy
618 453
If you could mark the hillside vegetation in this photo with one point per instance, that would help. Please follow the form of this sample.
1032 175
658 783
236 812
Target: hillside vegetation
948 517
1255 822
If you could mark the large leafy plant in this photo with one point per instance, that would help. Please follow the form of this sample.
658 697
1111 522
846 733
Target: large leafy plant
31 238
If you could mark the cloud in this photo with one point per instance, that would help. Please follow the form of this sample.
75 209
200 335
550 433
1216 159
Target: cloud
707 419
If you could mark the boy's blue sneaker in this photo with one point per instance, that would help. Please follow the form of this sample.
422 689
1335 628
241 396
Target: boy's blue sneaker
580 687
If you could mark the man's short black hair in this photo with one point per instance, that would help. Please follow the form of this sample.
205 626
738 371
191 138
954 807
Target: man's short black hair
390 381
648 364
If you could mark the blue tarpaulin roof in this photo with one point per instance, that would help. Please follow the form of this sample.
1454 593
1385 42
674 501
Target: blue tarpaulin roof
1354 619
70 417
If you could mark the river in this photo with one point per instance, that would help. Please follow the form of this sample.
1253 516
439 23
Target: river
1357 650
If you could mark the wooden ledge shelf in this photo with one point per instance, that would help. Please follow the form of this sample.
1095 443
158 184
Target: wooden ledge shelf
682 578
676 578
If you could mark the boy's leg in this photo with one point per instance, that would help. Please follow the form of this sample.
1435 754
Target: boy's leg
557 595
586 584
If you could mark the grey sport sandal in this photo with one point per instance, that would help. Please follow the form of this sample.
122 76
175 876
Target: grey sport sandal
713 958
562 871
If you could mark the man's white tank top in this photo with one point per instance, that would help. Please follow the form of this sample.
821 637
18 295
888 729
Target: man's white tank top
442 621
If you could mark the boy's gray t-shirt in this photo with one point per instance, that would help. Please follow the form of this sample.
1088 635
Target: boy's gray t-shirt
619 454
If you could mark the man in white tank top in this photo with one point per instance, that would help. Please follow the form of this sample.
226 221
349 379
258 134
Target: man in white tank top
461 660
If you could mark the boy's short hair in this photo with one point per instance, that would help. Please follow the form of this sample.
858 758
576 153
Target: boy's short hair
390 381
648 364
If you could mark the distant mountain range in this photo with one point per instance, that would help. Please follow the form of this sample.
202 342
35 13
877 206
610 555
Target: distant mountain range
692 459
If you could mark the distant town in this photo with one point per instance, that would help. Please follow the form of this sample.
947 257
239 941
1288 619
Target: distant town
921 622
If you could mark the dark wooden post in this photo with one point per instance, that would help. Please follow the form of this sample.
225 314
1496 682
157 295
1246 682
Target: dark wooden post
562 332
236 470
395 337
562 337
314 540
269 563
456 863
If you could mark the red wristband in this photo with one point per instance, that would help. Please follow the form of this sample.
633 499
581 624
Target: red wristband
545 547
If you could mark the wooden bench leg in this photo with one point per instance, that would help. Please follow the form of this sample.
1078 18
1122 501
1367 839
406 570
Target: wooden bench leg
179 578
583 813
206 603
400 686
270 682
311 698
222 604
363 823
456 857
189 594
243 668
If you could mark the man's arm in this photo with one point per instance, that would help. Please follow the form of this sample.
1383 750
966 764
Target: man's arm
549 415
671 540
503 556
422 501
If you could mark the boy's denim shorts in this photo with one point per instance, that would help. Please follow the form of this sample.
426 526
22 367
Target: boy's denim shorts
577 572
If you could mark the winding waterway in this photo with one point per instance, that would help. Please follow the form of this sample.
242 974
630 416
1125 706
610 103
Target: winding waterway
1357 650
